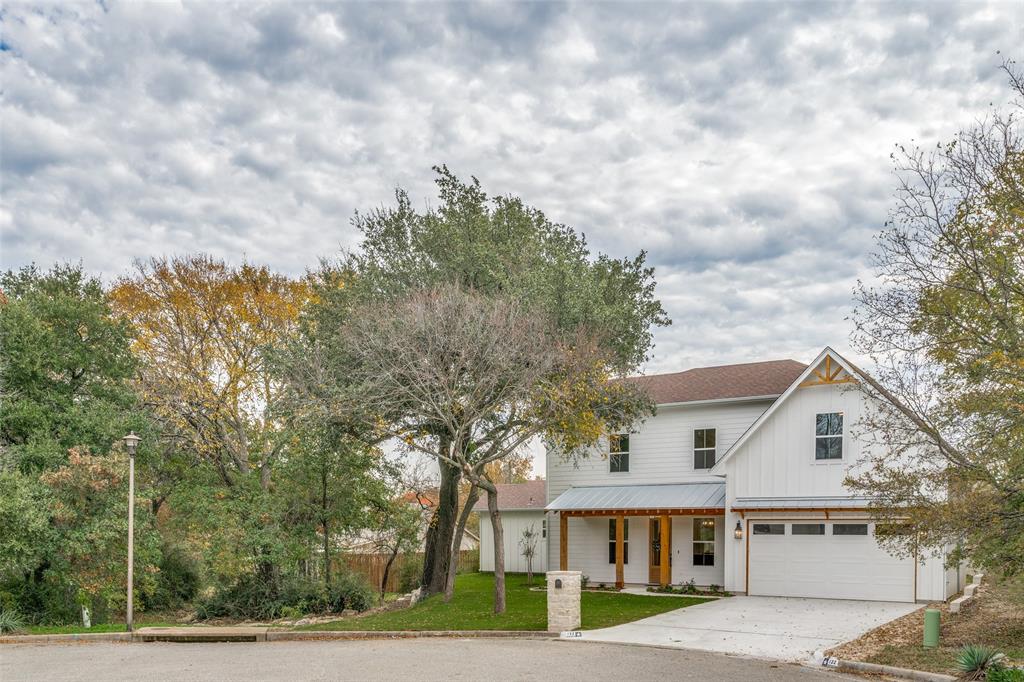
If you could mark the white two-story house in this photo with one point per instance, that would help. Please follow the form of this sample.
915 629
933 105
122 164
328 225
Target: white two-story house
737 481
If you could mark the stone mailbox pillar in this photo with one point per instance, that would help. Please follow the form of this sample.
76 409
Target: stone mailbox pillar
564 600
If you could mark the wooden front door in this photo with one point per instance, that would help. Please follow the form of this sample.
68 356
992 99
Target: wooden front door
654 554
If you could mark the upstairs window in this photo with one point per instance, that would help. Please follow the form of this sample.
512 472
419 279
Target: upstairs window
618 453
703 448
611 541
828 436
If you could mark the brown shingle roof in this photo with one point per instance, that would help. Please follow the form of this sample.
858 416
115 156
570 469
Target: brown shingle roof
529 495
747 380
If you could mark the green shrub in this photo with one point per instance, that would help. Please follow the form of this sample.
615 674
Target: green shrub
252 599
177 582
351 591
974 661
249 597
46 601
1005 675
410 572
10 621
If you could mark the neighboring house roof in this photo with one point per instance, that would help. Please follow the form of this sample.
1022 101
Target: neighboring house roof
726 382
424 498
516 496
630 497
793 385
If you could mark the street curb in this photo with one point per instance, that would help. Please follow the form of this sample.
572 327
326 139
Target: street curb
857 666
279 636
296 635
68 637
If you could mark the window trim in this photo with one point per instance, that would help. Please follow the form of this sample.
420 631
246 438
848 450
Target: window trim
618 455
694 541
841 436
694 449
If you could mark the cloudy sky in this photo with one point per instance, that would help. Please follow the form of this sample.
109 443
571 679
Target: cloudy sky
744 146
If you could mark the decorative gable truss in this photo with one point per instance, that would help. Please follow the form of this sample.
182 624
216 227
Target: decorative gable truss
828 372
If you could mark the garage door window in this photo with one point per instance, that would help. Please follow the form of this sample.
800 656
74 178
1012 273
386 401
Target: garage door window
769 529
808 529
703 542
850 529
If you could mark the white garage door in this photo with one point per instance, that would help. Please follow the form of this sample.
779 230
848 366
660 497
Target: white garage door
826 559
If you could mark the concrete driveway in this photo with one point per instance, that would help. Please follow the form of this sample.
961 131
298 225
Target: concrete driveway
779 628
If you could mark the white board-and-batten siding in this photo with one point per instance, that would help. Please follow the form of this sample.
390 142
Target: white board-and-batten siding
660 451
513 523
777 460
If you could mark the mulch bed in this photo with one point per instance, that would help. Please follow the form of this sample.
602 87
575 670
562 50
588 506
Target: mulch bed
993 618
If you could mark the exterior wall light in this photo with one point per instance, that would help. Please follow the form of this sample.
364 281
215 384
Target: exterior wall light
738 533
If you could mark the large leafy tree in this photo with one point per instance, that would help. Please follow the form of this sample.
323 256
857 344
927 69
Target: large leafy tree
944 323
65 370
203 334
481 377
65 366
495 247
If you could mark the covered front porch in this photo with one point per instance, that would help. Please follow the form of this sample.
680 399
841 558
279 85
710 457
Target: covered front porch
598 525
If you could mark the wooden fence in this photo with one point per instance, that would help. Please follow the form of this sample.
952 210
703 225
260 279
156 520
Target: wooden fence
371 566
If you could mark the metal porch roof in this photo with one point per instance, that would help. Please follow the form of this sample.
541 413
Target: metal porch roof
768 503
626 497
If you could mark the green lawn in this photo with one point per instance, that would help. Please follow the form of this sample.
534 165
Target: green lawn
472 609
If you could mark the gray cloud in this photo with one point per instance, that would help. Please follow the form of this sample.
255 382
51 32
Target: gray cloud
745 146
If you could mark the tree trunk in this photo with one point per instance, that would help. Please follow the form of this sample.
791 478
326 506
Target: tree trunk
387 572
437 552
453 566
499 550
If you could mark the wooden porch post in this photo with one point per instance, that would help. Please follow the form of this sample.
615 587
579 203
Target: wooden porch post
563 541
666 569
620 531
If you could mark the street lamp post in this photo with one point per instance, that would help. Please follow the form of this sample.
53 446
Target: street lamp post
131 441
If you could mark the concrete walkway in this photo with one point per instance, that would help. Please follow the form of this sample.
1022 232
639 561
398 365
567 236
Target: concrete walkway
201 634
778 628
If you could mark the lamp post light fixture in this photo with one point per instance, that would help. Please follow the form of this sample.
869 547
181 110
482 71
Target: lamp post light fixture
131 441
738 533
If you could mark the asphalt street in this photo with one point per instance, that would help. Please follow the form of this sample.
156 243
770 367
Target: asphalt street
411 659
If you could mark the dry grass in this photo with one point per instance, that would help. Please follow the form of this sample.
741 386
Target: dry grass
994 618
